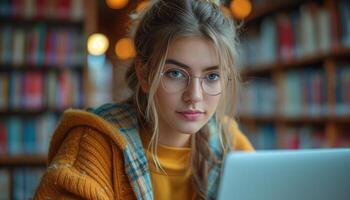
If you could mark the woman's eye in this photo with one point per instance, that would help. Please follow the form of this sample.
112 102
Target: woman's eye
175 74
213 77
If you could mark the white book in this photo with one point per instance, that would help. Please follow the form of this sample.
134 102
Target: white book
324 30
51 89
308 39
29 8
268 40
5 184
3 91
18 54
77 10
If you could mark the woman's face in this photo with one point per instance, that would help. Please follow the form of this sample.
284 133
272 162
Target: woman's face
185 108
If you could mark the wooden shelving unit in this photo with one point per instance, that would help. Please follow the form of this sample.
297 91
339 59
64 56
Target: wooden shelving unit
296 120
337 53
15 164
23 160
331 123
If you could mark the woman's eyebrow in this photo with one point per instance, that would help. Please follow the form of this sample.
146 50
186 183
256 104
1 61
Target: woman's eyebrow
182 65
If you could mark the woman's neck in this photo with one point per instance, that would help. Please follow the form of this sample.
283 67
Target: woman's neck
174 139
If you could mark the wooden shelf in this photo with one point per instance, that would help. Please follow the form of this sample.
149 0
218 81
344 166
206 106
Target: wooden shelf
23 160
22 112
30 67
337 53
267 9
77 24
298 119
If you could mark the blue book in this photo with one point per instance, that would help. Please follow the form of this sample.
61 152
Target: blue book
344 12
18 184
5 8
267 137
14 84
29 138
41 29
6 45
14 137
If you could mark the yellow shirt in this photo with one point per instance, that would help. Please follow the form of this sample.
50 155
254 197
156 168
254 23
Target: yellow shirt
177 183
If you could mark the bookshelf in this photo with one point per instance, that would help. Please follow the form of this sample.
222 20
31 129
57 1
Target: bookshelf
42 72
295 60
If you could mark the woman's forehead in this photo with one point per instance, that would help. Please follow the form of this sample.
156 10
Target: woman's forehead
193 53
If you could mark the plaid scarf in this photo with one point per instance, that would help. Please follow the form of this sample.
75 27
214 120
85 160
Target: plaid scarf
123 117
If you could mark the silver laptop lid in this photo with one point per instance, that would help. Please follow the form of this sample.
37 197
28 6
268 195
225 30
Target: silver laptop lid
322 174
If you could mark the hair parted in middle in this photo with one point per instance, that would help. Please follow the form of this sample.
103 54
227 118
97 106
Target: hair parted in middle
153 31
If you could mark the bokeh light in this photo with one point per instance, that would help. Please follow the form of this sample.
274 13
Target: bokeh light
117 4
124 49
241 8
97 44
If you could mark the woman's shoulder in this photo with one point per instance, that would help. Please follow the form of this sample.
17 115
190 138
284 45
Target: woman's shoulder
240 141
91 120
82 151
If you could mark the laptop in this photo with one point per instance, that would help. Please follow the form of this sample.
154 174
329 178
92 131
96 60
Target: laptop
317 174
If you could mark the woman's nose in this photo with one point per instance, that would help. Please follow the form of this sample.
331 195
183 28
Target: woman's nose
194 91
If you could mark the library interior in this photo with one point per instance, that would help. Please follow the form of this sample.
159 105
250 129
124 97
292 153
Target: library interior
294 62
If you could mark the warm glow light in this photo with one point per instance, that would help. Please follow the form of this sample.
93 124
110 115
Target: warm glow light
97 44
241 8
142 6
226 11
124 49
117 4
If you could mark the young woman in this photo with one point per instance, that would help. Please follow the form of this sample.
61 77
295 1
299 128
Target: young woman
168 141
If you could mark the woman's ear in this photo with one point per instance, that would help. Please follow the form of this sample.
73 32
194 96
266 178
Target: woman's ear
141 76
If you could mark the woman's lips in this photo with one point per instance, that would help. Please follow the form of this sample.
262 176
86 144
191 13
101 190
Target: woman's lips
191 115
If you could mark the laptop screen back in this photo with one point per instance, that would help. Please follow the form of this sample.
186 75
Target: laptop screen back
288 175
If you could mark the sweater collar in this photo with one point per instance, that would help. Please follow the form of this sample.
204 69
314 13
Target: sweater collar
123 118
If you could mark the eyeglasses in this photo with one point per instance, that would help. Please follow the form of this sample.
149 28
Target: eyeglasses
176 80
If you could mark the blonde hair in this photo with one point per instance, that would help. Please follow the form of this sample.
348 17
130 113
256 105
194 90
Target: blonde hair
153 30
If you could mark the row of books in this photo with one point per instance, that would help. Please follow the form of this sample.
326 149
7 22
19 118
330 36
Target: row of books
26 135
303 137
258 97
40 45
303 93
39 9
300 33
37 90
342 86
24 182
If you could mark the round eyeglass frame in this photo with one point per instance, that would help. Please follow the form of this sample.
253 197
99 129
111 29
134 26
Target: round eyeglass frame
188 83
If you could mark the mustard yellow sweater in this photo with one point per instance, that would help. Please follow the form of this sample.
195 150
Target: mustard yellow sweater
85 160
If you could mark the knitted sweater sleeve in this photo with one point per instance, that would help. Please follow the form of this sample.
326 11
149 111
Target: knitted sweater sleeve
81 168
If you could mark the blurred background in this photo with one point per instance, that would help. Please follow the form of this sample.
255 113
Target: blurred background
59 54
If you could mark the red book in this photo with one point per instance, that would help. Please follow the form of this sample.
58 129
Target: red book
17 8
33 90
335 24
3 139
285 37
48 47
64 89
40 9
62 47
63 9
